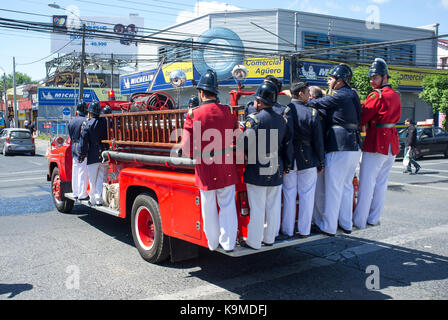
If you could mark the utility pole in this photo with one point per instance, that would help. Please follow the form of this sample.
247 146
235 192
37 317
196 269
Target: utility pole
112 72
16 116
83 54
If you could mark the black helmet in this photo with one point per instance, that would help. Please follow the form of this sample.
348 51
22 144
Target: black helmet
379 66
209 82
95 108
267 92
275 81
81 107
342 71
193 102
106 110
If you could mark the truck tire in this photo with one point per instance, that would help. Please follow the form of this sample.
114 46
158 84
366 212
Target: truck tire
61 203
147 231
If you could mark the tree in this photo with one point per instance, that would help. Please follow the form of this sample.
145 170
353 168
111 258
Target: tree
361 81
435 92
21 78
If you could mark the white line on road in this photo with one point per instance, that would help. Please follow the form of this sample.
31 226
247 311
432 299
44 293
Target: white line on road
424 163
24 179
395 183
38 163
296 268
425 175
22 172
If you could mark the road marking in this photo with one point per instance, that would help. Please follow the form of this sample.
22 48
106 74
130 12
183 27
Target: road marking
425 175
394 183
25 179
296 268
402 167
425 163
37 163
21 172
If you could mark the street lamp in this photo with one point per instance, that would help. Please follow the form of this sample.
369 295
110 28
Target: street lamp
83 50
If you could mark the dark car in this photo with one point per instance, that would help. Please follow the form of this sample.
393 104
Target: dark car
430 141
14 140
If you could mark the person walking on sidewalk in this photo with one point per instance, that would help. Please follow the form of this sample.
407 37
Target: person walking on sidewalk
409 145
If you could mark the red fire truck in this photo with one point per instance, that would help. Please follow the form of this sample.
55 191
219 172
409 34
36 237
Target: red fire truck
149 184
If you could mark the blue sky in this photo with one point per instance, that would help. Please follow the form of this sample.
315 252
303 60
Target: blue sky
28 46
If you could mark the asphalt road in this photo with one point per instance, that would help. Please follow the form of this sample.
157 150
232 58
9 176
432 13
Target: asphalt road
90 255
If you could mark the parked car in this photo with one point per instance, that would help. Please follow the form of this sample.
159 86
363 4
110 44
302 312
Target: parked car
430 141
15 140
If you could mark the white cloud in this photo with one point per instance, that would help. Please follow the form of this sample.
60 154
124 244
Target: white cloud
380 1
356 8
444 3
202 8
304 5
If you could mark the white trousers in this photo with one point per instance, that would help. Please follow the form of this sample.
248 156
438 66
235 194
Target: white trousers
340 169
80 179
373 176
319 196
303 183
265 209
97 172
220 229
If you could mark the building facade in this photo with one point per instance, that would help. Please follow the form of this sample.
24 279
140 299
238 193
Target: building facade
263 39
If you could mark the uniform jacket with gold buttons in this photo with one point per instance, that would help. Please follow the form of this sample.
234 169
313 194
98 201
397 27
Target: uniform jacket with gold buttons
308 139
266 165
382 106
343 114
212 170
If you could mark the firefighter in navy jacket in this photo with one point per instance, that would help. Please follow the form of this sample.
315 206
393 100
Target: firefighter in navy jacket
93 132
80 178
342 143
309 157
267 140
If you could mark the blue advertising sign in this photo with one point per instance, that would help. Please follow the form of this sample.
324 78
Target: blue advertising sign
315 73
63 96
136 82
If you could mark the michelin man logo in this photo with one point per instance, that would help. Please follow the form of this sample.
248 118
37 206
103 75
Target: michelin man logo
310 74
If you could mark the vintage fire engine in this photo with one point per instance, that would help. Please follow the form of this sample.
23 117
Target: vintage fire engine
149 183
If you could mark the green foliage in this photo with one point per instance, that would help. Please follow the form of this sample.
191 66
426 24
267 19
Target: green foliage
435 92
21 78
361 81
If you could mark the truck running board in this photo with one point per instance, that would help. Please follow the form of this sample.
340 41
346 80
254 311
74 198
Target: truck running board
99 208
243 251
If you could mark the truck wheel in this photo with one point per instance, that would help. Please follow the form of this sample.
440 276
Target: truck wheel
147 231
446 153
61 203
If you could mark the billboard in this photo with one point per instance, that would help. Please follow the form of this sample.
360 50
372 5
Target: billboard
68 37
49 96
258 67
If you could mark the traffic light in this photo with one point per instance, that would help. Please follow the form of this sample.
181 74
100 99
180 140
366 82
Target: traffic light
111 95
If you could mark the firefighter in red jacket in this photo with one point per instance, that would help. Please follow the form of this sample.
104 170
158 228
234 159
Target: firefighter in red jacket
208 138
379 115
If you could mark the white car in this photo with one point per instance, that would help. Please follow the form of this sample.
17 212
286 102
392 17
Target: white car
14 140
